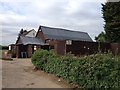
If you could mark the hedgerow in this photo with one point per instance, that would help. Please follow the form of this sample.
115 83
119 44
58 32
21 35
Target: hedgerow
93 71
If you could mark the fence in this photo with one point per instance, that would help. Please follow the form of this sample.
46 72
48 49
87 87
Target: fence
85 48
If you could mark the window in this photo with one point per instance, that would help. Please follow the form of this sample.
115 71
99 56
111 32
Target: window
33 34
84 46
51 47
69 42
9 47
35 47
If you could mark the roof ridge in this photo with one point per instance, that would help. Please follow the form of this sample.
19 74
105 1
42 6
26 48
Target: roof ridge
58 33
63 29
28 37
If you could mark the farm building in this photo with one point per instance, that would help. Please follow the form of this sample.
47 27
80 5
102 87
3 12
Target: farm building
27 43
61 41
48 38
57 39
25 46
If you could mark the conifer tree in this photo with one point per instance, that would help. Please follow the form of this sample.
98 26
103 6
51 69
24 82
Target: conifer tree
111 16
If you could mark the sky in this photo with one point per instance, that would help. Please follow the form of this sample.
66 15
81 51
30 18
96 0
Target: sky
78 15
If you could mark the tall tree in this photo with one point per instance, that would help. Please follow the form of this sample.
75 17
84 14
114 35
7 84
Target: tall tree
111 16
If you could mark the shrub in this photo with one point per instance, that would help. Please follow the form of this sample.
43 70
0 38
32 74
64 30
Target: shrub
93 71
99 71
40 57
13 54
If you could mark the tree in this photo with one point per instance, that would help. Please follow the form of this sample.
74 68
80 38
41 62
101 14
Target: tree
100 37
111 16
21 32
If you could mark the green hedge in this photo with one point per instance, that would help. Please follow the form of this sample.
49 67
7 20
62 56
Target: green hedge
93 71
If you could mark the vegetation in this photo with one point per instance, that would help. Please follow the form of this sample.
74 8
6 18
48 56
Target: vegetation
100 37
3 47
94 71
0 47
21 32
13 54
111 16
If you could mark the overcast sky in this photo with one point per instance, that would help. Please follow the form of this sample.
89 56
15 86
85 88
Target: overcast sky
80 15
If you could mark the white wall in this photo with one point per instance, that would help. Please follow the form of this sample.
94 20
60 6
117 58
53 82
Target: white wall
31 34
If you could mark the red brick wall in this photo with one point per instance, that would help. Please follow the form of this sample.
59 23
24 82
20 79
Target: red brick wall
17 51
29 51
21 48
60 47
115 47
83 48
40 35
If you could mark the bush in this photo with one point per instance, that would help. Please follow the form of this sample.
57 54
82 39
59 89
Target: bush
93 71
40 57
13 54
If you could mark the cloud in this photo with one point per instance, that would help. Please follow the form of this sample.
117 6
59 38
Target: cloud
80 15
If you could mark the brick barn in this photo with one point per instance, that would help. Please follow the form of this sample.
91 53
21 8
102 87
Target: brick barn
61 41
27 43
57 39
25 46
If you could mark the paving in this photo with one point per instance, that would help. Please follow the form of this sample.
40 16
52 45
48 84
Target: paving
19 73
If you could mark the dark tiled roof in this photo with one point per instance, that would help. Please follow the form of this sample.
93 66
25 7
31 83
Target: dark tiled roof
30 40
63 34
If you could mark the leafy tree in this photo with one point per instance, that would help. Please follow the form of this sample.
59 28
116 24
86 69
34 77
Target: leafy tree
111 16
100 37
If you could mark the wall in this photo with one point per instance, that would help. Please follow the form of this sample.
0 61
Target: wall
40 35
31 34
115 48
17 51
81 48
77 48
60 47
29 50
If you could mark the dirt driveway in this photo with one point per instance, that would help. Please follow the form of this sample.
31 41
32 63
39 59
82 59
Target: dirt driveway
19 73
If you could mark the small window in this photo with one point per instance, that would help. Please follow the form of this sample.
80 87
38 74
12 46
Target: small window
9 47
33 34
51 47
69 42
84 46
35 47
